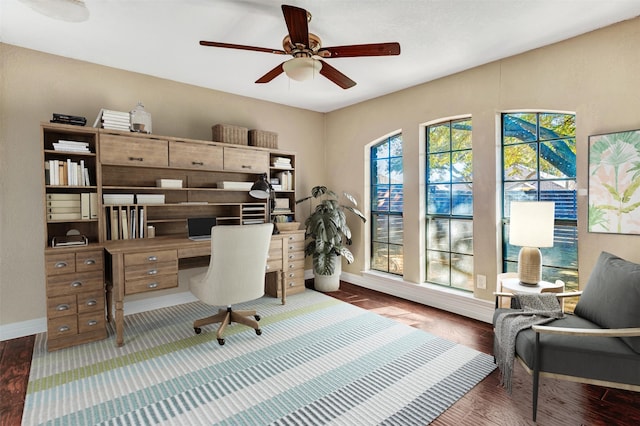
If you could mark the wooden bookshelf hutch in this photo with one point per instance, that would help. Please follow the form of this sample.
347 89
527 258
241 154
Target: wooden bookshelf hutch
121 164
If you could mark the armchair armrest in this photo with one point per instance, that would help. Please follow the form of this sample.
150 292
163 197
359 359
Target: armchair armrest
604 332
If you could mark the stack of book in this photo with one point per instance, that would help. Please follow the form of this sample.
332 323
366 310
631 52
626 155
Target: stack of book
63 207
113 120
150 198
282 162
69 119
282 206
71 146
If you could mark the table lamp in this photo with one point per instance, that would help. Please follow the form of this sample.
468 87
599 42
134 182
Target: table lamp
531 226
262 189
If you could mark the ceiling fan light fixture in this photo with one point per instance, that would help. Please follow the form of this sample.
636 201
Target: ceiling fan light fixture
302 69
64 10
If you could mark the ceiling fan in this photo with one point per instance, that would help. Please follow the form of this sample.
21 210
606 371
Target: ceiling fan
308 53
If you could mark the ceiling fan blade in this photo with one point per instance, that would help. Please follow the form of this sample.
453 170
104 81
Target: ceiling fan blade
336 76
271 74
242 47
296 19
373 49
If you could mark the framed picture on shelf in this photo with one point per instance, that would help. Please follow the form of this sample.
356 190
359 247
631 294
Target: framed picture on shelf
614 183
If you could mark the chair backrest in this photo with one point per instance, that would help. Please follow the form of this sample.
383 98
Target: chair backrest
238 263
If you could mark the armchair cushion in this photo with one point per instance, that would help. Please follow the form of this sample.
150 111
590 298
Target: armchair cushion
611 298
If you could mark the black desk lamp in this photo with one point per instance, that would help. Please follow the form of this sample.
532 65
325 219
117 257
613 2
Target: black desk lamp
262 189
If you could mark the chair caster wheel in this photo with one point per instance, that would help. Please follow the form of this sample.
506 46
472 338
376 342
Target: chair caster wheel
257 317
221 342
258 331
198 330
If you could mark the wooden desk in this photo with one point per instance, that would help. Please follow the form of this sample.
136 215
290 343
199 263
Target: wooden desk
150 264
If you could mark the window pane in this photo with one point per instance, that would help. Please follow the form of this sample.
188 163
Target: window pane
396 259
380 257
520 162
557 159
554 126
438 138
396 229
525 191
380 228
438 264
380 198
462 166
380 151
517 128
396 172
380 172
395 146
462 236
462 272
438 234
462 198
461 135
439 168
396 201
439 199
563 194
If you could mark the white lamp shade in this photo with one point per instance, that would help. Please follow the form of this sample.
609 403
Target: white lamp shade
65 10
531 223
302 69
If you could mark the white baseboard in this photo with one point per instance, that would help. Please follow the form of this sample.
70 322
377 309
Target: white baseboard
39 325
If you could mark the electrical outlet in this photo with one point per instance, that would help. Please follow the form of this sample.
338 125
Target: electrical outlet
481 282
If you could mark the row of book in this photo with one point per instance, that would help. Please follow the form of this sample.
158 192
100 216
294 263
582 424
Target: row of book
71 146
286 181
74 120
113 120
66 173
68 206
125 222
281 207
282 162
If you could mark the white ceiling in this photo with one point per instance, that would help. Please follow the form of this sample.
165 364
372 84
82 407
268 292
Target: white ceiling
437 38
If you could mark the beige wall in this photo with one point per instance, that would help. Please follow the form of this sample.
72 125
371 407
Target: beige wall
597 76
35 85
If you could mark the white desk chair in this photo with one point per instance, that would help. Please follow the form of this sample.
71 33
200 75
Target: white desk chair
236 274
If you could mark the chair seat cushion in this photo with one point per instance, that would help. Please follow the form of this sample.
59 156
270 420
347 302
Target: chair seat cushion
599 358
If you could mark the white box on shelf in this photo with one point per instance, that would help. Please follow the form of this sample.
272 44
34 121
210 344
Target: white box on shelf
169 183
241 186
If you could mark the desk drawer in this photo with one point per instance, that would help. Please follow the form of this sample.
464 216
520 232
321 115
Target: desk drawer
201 250
89 261
150 270
62 326
74 283
91 302
61 306
159 282
295 255
293 265
150 257
297 237
191 155
133 151
91 321
62 263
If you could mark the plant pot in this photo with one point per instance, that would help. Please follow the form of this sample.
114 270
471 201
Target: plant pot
326 283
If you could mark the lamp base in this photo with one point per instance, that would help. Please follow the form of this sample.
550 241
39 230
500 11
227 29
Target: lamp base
530 266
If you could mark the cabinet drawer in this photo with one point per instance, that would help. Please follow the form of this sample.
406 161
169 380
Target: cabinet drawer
197 156
62 263
132 151
62 326
150 269
295 255
150 257
297 237
293 265
291 283
245 160
74 283
274 264
91 321
61 306
295 246
91 302
89 261
151 284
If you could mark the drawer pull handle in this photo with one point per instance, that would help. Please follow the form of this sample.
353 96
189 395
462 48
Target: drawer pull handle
244 166
291 275
152 258
62 307
290 238
92 322
152 272
92 302
152 285
267 267
61 265
64 328
90 262
136 159
291 256
292 266
291 284
290 247
76 284
197 163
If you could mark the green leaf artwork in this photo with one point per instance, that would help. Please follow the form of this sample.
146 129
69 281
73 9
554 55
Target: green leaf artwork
614 183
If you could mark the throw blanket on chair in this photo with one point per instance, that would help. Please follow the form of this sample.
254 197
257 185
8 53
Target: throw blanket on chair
538 308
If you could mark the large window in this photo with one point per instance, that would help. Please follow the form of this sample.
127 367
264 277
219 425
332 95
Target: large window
386 206
539 164
449 200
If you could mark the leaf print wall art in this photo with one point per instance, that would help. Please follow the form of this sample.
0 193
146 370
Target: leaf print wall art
614 183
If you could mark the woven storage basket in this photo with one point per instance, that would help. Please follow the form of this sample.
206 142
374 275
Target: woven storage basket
263 139
230 134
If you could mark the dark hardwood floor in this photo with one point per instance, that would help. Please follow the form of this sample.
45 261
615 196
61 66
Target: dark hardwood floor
560 402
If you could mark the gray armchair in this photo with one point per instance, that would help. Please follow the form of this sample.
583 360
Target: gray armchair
599 343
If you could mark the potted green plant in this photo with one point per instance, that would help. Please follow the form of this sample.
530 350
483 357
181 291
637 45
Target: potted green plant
328 235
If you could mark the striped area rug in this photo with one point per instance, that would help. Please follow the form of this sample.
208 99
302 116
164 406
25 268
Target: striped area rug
318 361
